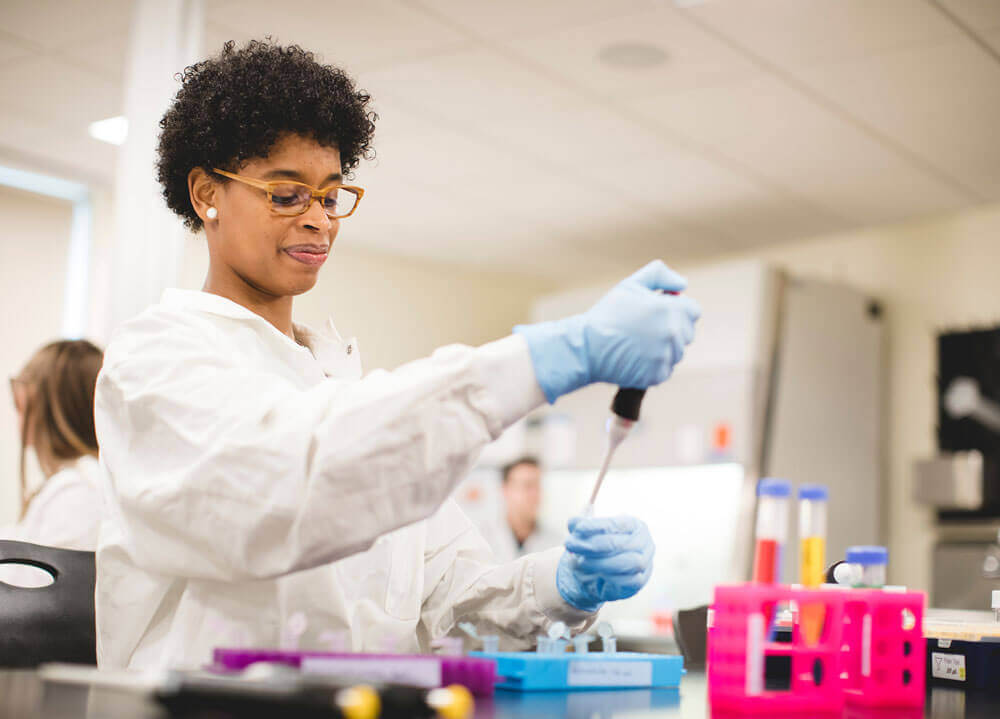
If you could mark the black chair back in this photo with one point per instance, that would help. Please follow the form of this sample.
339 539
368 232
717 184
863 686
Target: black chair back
53 623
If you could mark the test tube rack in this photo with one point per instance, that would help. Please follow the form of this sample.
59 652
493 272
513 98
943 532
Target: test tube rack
477 674
570 671
870 652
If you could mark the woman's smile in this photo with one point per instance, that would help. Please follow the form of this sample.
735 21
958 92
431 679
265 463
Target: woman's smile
314 255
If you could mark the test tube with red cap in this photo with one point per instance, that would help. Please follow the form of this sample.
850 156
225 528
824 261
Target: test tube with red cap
772 529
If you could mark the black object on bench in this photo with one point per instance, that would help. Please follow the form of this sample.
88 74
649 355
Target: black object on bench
53 623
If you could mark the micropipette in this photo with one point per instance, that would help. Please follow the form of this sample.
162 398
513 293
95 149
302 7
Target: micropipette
624 414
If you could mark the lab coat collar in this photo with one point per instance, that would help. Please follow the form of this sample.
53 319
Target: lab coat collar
337 356
207 302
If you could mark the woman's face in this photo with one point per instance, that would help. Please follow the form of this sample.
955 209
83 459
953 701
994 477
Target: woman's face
276 255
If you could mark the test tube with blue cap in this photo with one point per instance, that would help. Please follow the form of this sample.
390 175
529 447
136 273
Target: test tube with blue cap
772 529
868 566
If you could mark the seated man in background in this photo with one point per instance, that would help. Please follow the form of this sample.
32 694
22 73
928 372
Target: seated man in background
518 531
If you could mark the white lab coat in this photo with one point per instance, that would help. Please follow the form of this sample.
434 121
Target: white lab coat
67 510
253 480
502 541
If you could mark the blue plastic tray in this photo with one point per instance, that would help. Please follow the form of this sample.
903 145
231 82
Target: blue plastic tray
530 671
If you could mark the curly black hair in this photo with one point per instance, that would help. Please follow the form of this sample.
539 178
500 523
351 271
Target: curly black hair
233 108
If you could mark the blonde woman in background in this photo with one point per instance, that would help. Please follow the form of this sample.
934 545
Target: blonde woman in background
54 397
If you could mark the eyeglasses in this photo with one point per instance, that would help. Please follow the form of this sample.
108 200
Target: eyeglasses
290 198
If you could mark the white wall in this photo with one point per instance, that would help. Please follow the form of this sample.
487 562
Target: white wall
400 309
34 239
931 275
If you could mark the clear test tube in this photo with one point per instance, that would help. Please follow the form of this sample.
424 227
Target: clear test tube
813 500
868 566
772 529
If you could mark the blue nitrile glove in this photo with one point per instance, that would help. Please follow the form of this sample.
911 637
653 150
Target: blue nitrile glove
632 337
606 558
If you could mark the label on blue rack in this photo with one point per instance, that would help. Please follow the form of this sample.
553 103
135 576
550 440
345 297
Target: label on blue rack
415 671
610 674
948 666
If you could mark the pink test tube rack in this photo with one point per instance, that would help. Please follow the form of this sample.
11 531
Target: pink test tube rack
870 652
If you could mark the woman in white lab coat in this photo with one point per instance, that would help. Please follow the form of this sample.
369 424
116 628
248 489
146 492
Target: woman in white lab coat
54 397
263 492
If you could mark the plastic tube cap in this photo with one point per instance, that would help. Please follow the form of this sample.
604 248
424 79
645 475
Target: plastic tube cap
361 702
453 702
867 555
770 487
843 573
814 491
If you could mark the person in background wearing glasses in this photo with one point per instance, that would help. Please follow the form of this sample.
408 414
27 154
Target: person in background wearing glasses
263 491
54 397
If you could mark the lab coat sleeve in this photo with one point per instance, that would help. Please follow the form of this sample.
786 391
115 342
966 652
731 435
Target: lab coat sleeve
223 473
463 583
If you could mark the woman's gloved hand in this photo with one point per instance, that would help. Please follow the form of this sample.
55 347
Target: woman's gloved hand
632 337
606 558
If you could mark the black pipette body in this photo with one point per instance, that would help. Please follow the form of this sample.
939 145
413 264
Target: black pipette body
626 403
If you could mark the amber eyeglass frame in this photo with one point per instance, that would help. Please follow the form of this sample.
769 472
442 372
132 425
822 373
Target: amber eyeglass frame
317 193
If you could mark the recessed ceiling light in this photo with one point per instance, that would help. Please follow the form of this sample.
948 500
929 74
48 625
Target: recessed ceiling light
632 55
113 130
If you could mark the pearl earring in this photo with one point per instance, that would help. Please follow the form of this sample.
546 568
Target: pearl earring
212 213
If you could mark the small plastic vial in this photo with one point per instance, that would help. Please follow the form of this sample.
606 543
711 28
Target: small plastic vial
609 643
868 566
996 604
581 643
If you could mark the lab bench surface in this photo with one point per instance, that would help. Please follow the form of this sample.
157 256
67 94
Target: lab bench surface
24 696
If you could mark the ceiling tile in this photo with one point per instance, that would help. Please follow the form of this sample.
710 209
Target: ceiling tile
726 207
695 59
106 56
992 38
13 49
522 18
791 32
796 143
62 94
980 15
60 25
942 102
436 156
54 148
490 206
643 236
473 89
525 118
581 138
357 35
